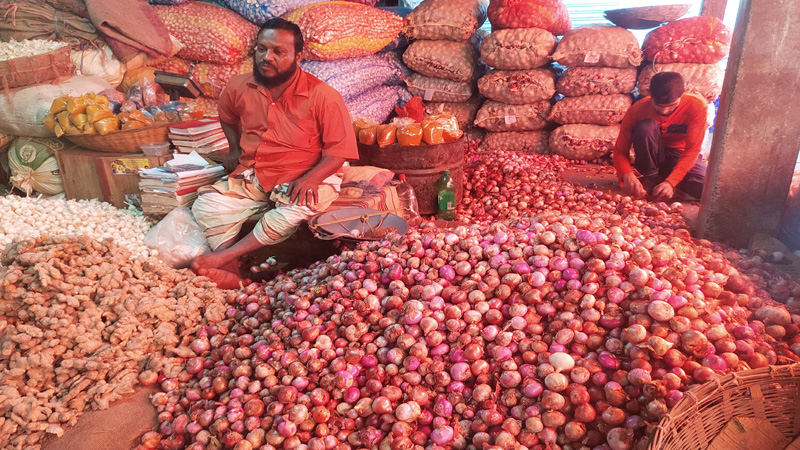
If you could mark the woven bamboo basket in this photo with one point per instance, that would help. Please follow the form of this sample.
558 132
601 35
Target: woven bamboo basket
36 69
644 17
771 393
122 141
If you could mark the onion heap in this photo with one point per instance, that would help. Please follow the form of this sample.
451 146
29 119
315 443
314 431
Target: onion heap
566 332
503 185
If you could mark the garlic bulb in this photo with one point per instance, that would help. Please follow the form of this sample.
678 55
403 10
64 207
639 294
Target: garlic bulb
28 47
27 218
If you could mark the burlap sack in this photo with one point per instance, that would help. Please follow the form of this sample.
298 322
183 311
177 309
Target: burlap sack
595 109
516 49
496 116
518 87
583 141
598 46
577 81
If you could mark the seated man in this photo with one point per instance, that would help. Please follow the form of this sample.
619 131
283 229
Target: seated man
289 134
667 131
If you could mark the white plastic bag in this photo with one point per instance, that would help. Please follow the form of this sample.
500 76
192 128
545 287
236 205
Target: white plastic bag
177 238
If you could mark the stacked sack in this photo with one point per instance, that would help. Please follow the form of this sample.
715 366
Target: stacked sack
444 57
520 87
692 47
217 44
601 66
341 42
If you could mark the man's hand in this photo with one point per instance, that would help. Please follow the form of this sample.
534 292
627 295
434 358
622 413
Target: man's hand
303 191
230 161
663 192
632 186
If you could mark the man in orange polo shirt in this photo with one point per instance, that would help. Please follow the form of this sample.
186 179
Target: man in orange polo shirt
289 134
666 131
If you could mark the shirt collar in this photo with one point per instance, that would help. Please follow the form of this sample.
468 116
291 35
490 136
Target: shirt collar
299 87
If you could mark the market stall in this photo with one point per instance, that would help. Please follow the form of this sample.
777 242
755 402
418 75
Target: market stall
541 314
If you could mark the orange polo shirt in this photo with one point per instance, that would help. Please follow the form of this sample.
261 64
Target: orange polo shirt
683 130
282 139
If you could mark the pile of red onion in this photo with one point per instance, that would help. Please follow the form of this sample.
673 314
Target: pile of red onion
573 331
502 185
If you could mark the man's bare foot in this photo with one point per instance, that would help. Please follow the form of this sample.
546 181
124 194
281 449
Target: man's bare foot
210 260
224 279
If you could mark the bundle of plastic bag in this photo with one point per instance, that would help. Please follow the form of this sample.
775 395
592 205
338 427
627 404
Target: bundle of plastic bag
178 238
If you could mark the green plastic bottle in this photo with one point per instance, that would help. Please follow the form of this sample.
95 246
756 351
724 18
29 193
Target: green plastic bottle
446 196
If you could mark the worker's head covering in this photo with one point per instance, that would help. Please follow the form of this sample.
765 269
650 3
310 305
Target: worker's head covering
666 87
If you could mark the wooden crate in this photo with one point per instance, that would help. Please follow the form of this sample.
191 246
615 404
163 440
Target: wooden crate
88 174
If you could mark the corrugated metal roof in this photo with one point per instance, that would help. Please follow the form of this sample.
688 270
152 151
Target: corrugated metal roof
585 13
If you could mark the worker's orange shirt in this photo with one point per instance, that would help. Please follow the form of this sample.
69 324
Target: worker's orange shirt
285 138
683 130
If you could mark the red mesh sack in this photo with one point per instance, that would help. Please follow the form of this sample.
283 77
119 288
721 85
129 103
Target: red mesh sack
209 32
700 40
550 15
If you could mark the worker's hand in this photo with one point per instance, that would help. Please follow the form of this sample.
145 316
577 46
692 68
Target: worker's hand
632 186
303 191
663 192
230 161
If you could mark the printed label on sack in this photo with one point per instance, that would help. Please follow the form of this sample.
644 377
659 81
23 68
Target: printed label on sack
125 166
428 96
592 58
511 119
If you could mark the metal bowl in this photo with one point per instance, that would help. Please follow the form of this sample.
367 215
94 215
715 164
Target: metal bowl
355 223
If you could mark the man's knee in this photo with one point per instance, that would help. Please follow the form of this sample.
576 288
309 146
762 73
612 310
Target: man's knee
645 127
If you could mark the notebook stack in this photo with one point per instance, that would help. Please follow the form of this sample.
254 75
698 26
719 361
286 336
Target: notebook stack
175 185
204 136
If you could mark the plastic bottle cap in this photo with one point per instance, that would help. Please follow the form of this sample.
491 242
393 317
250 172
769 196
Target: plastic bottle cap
446 172
402 177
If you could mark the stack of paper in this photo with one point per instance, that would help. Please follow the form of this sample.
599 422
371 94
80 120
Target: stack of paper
163 189
203 136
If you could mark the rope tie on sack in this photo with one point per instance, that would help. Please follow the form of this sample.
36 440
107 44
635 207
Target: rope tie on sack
11 8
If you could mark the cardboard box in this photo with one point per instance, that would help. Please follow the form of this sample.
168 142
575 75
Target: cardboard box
89 174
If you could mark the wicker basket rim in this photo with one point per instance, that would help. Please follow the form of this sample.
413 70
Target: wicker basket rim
725 389
659 13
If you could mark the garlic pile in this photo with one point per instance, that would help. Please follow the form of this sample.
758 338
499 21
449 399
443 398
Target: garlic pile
28 218
81 323
28 47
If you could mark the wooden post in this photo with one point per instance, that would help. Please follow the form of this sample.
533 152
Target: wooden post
714 8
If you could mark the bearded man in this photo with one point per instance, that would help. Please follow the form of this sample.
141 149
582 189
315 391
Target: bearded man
289 134
666 131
